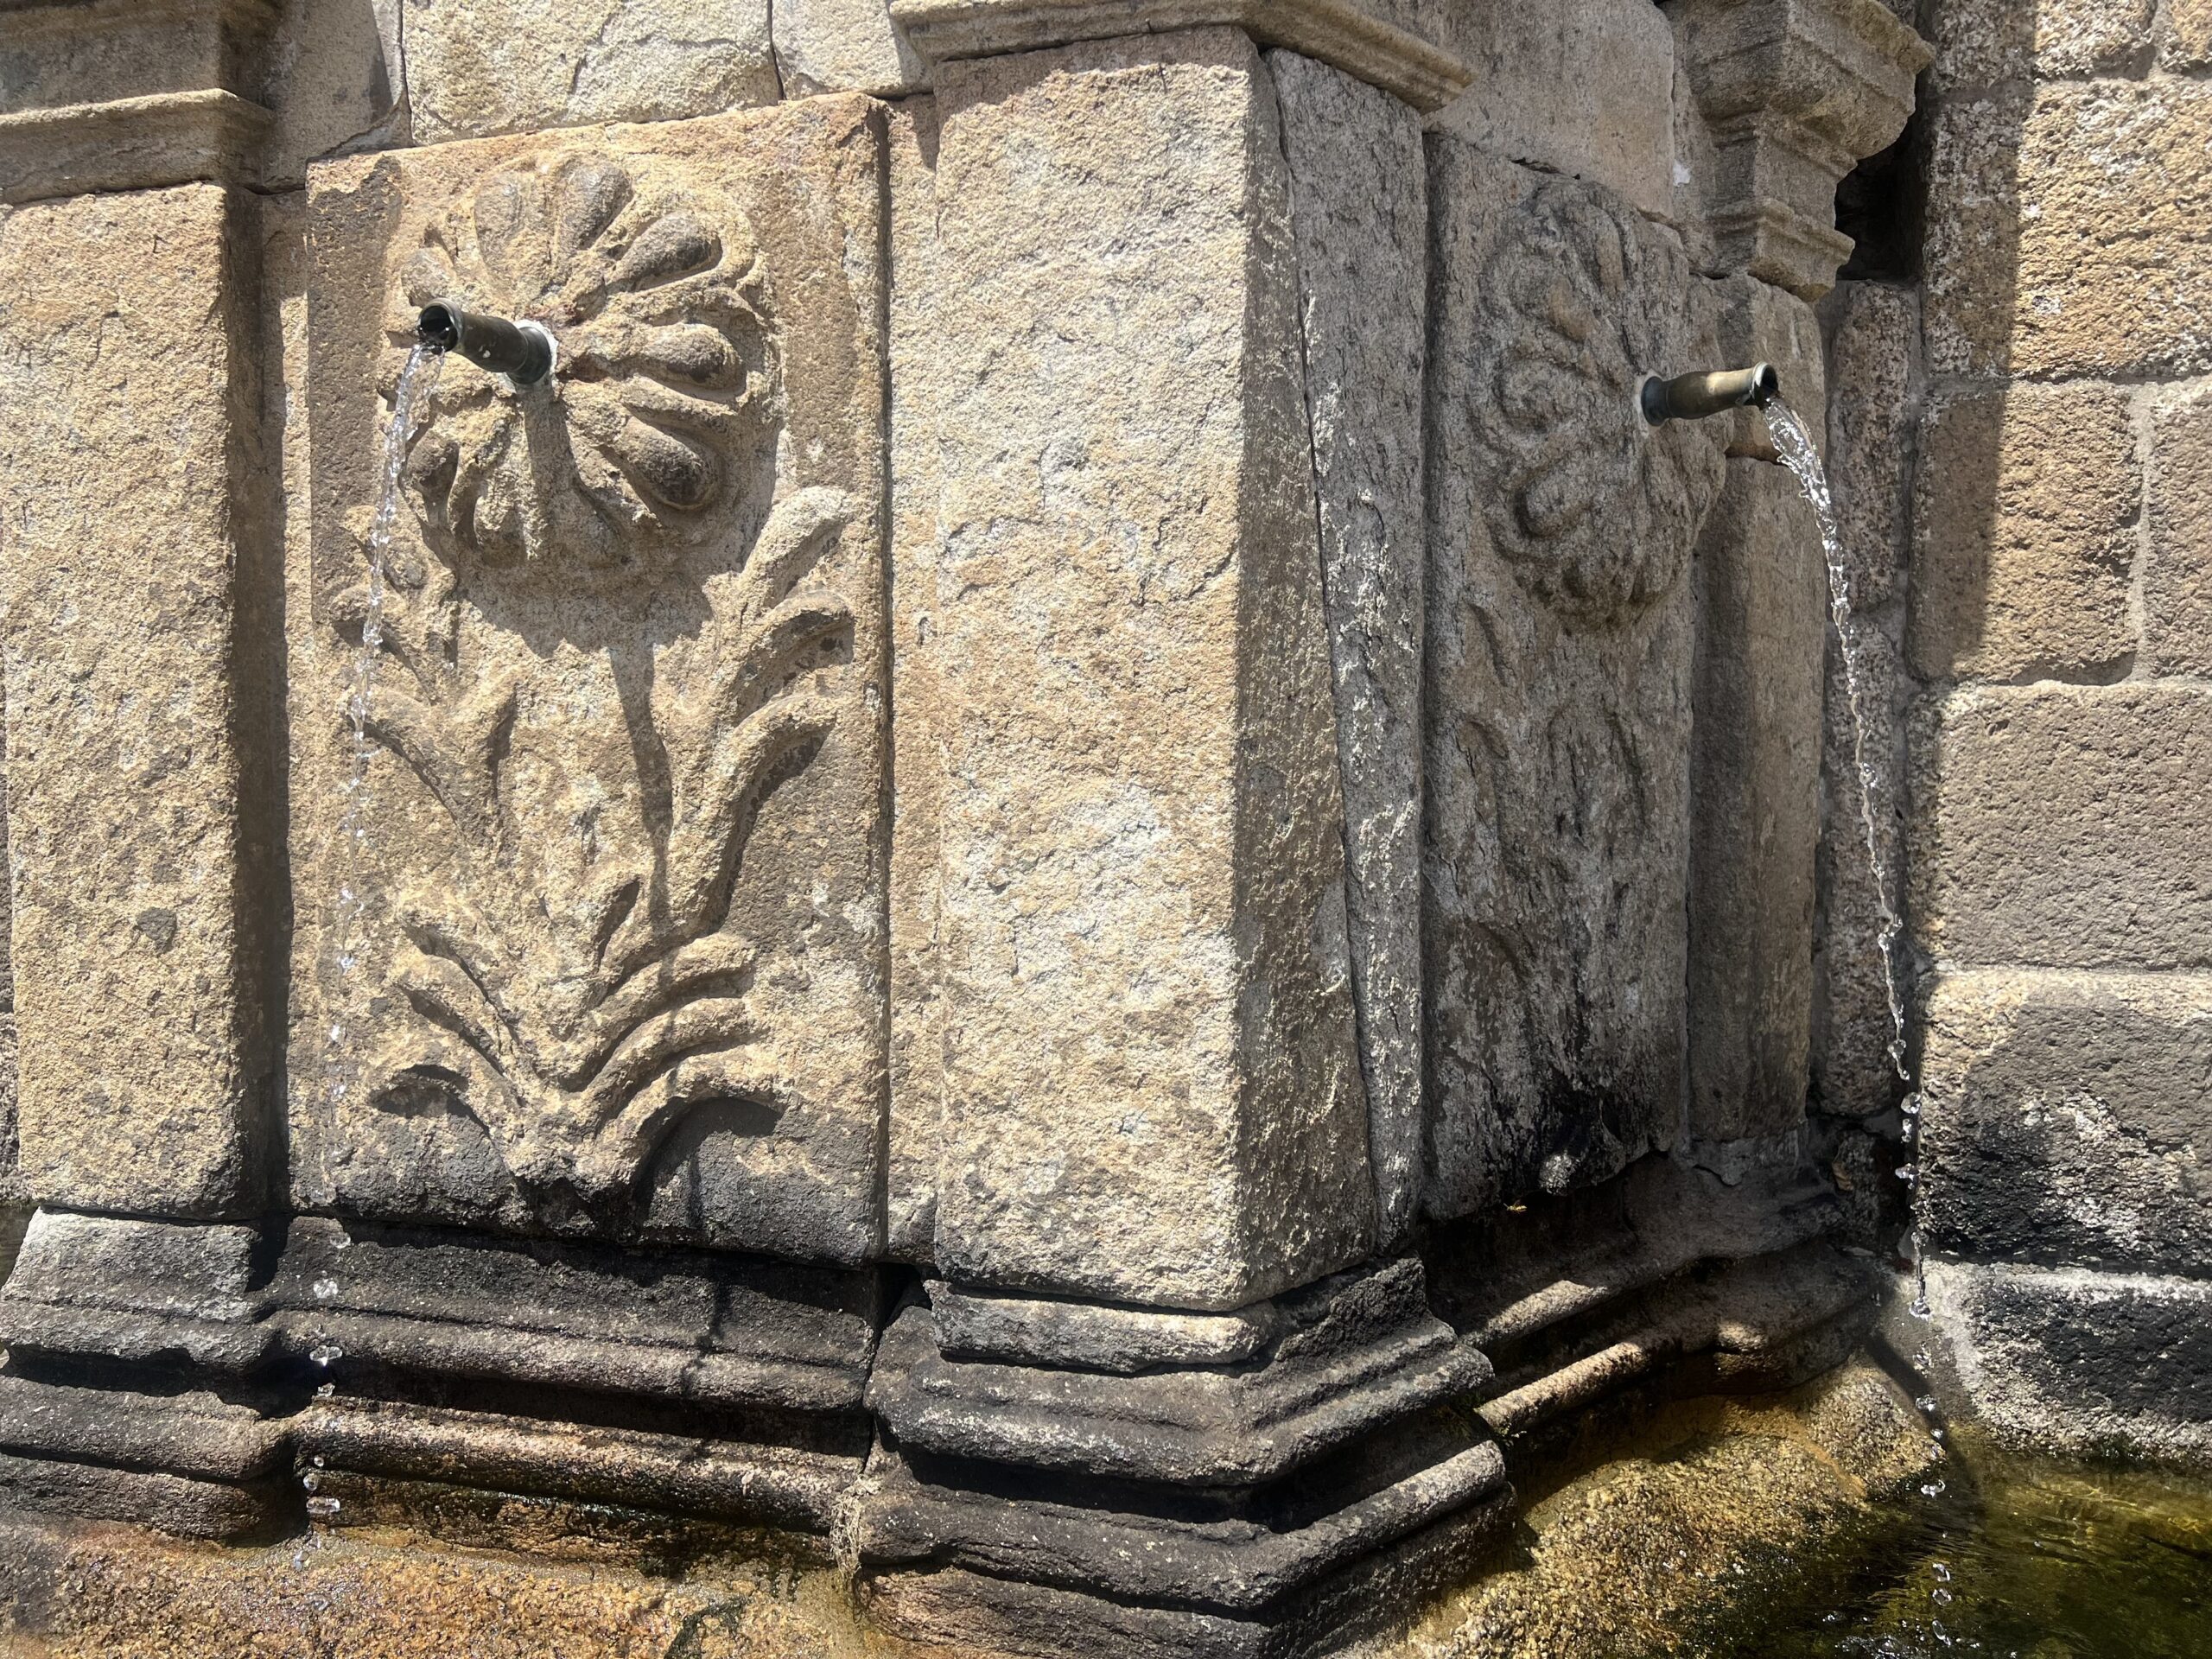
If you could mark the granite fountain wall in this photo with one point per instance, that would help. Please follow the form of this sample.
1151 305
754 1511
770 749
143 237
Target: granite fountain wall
1080 872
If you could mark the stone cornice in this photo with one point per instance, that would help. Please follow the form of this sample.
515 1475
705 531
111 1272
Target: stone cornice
1336 32
132 144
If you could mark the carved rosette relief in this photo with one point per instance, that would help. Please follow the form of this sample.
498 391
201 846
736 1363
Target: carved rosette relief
1560 641
1595 510
622 961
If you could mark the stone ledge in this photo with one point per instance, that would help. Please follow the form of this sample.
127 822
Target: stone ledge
2077 1363
1334 31
1240 1565
63 53
796 1488
687 1324
1362 1351
2110 777
133 143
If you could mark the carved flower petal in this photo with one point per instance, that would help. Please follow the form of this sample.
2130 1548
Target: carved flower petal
678 473
675 245
589 193
511 234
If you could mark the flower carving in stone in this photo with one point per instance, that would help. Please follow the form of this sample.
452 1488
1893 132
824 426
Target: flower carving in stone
655 290
1596 509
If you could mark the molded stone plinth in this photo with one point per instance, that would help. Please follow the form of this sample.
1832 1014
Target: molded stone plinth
1230 1494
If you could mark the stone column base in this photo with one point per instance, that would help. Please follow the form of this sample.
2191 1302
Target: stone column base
1058 1476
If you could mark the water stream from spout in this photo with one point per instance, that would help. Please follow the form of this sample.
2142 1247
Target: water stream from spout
417 382
1793 442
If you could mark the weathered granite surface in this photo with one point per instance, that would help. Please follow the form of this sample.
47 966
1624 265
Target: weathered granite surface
1152 1090
138 567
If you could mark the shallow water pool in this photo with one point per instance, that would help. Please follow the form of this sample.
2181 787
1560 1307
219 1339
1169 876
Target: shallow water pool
2019 1558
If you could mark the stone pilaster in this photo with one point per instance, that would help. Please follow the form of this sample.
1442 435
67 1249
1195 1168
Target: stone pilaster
1152 1089
140 575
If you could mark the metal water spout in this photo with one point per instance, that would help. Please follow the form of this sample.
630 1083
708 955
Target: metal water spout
1693 397
523 351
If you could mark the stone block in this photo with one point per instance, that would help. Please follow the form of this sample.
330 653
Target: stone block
476 68
1359 203
1586 92
601 950
2025 538
1755 805
2066 1361
1981 42
1401 46
1560 648
134 143
2069 231
2068 1120
2064 826
55 54
2188 42
844 46
2177 558
140 578
1152 1088
134 1291
333 76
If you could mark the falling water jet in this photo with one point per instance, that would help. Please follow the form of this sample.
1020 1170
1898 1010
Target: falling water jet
418 379
1793 442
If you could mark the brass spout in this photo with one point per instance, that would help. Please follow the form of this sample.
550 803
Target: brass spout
1693 397
523 351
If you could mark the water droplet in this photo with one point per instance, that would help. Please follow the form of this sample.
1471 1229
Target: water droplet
1933 1489
325 1289
322 1508
323 1353
326 1391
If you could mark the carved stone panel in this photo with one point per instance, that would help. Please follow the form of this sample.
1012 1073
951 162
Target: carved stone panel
590 914
1560 646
